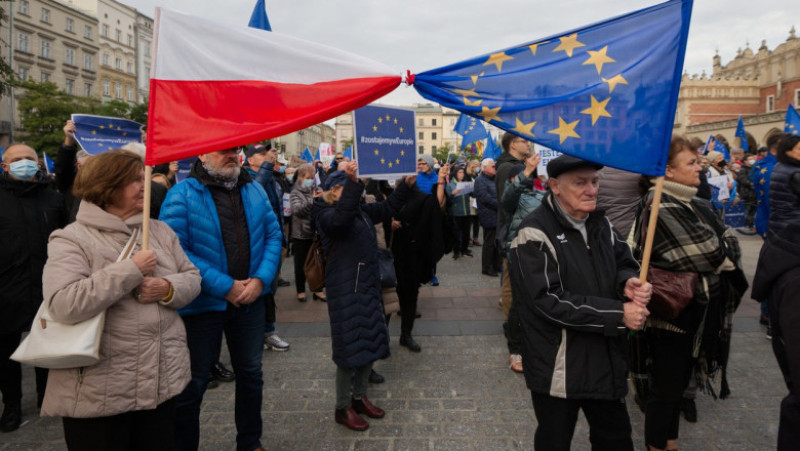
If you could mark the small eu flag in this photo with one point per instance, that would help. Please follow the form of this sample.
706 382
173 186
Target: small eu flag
259 17
49 165
740 133
492 149
792 124
306 155
98 134
713 145
605 93
471 129
348 153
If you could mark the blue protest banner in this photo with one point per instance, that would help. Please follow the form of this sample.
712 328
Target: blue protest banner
98 134
385 141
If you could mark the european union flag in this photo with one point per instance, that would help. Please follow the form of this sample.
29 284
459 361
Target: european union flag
713 145
98 134
792 124
348 153
606 93
471 129
742 135
49 165
492 149
385 141
306 155
259 17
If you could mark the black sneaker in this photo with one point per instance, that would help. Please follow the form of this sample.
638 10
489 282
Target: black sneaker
375 378
769 333
689 410
408 342
12 417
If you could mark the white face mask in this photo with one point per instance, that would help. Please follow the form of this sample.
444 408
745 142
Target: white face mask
23 169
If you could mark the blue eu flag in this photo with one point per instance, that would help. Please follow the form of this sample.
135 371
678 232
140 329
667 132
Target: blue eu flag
259 17
385 141
471 129
492 149
713 145
98 134
606 93
306 155
348 153
49 165
792 124
742 135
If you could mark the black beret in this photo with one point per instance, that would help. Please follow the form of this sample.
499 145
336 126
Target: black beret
335 178
566 163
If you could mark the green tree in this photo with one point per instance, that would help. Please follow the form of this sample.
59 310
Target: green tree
441 152
139 112
6 71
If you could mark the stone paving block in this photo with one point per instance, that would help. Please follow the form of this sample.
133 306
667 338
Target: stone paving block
451 445
332 445
372 445
462 429
412 445
379 428
422 430
492 445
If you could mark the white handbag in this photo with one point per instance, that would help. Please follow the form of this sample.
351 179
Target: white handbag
54 345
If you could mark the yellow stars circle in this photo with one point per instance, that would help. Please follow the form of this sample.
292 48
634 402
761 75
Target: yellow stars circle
569 44
380 120
374 128
489 114
401 129
523 128
597 109
614 81
598 58
565 130
376 152
498 59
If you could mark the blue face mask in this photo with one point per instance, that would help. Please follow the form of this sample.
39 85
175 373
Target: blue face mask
282 169
23 169
289 177
308 183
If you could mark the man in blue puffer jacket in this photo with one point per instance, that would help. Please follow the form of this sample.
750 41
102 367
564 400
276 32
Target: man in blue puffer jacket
228 231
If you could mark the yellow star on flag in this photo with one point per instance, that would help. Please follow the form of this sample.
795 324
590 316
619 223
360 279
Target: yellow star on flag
466 92
468 102
397 160
376 152
380 120
124 133
374 128
598 59
763 171
565 130
388 117
569 44
402 153
119 128
401 129
383 160
614 81
523 128
489 114
498 59
395 120
94 132
390 164
101 127
597 109
110 125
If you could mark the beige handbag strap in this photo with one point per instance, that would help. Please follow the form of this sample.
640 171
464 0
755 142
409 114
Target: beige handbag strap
130 246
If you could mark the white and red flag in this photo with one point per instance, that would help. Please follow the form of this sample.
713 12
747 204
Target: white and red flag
215 86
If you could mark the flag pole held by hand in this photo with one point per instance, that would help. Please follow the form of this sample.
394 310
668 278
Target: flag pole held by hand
651 229
148 176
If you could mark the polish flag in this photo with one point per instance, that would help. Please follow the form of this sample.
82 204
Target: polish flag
215 86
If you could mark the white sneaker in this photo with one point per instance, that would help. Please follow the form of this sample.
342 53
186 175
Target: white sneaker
275 343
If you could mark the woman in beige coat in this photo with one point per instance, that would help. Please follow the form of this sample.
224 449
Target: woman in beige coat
125 400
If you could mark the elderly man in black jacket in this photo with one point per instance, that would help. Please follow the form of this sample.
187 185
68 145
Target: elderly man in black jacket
31 209
580 296
486 196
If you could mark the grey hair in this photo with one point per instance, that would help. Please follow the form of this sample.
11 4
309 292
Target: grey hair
486 162
137 148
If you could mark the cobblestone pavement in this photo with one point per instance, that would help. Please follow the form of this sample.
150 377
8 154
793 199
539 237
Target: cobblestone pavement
457 394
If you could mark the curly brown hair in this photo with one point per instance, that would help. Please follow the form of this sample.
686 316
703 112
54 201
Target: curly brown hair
103 176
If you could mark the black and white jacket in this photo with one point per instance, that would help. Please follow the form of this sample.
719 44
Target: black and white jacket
570 295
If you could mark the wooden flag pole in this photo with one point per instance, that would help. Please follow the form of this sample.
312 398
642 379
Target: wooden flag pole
651 229
148 176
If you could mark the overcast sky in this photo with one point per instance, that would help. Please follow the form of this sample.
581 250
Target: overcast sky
426 34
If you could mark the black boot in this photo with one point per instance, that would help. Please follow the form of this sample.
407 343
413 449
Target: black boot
221 373
408 342
12 417
375 378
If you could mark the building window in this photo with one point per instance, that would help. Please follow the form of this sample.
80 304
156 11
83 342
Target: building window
87 61
22 42
421 148
70 86
770 104
87 32
70 24
118 63
433 135
45 77
118 90
421 134
433 148
105 59
105 30
23 7
433 121
87 89
45 15
130 67
118 34
797 98
22 73
130 94
130 40
421 122
106 91
45 49
69 56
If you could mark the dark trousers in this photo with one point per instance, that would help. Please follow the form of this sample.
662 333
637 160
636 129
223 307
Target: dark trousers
750 215
490 256
11 372
407 291
300 249
244 334
476 226
462 225
671 355
145 430
609 424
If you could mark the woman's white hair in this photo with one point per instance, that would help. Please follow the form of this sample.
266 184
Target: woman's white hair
137 148
486 162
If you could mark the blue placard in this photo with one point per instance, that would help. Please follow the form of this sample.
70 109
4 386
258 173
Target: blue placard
385 141
734 214
98 134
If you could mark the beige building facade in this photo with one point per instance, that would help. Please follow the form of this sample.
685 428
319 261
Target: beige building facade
144 59
48 41
293 144
756 85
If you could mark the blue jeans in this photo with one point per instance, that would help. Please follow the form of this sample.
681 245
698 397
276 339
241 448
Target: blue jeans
244 333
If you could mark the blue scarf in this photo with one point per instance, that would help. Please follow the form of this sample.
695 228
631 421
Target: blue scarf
426 182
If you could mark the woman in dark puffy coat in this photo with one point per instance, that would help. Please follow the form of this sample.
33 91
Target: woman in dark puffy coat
358 328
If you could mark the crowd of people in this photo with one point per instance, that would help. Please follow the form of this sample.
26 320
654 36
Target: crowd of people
564 247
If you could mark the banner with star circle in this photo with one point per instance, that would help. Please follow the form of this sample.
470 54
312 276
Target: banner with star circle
98 134
385 141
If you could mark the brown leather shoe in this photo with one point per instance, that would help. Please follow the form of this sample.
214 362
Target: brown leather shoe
367 408
350 418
